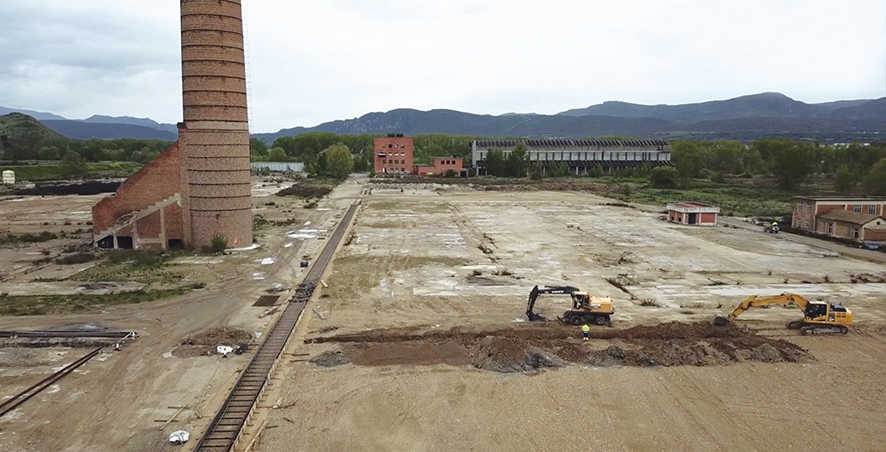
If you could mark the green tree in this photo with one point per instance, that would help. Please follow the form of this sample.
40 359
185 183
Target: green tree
726 156
73 164
516 162
791 162
665 177
875 181
338 161
49 153
495 163
558 169
689 158
258 150
278 155
844 180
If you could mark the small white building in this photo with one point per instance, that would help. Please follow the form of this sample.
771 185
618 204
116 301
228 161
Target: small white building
693 213
8 177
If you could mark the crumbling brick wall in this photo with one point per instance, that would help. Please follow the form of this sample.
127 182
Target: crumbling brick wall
158 180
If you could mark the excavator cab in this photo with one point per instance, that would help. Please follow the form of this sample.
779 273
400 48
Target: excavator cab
819 312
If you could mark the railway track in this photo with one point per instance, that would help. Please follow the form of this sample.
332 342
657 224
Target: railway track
38 387
225 428
67 334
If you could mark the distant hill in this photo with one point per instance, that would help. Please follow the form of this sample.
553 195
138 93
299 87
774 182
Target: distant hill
34 114
416 122
22 136
102 126
82 130
765 105
143 122
743 118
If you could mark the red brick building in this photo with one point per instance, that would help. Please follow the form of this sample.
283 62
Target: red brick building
394 155
693 213
146 211
441 166
859 219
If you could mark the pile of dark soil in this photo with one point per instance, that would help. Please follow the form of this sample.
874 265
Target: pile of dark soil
205 343
71 188
306 191
552 345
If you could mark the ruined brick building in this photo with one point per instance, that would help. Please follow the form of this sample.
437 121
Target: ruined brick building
200 186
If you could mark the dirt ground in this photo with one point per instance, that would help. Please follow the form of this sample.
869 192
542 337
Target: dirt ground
423 344
114 401
419 342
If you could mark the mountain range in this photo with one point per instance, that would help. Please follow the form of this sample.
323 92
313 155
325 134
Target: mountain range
101 127
744 118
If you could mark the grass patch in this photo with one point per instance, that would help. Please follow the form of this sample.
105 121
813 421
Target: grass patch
61 304
44 236
146 267
44 171
731 199
73 259
310 188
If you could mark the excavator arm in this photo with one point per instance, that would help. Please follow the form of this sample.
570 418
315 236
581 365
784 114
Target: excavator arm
536 291
755 302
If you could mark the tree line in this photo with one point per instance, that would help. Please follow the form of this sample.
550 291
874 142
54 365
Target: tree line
855 166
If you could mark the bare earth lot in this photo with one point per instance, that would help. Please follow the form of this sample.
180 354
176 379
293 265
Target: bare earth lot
419 343
114 401
422 344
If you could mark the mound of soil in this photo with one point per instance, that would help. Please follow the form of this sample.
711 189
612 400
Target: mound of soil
331 359
502 354
306 191
205 343
551 345
71 188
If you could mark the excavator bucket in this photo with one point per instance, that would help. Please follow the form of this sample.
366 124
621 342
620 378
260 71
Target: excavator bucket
721 321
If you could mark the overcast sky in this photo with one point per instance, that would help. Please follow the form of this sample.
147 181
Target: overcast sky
314 61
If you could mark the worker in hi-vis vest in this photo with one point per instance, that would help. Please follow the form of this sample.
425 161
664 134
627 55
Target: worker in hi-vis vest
586 331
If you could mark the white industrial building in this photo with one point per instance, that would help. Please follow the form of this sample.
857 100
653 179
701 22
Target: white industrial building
579 156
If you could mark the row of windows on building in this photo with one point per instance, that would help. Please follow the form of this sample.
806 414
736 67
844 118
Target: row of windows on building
871 209
393 162
447 162
585 156
396 146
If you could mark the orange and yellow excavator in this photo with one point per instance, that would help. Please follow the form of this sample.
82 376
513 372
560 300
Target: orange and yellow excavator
819 317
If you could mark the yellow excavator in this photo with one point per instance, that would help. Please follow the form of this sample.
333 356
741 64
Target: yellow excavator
585 308
819 317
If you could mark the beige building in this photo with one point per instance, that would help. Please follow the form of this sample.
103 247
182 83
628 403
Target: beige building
852 225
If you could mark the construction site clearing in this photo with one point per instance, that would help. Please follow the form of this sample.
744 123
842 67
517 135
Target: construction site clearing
418 337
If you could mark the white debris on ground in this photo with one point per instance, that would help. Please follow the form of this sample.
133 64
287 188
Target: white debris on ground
224 350
254 246
179 437
267 261
304 234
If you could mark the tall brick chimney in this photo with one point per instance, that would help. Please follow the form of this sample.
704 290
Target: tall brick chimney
214 137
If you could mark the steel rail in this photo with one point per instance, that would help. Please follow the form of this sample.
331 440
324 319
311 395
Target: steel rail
38 387
225 428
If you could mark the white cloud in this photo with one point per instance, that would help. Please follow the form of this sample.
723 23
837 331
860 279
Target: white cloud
310 62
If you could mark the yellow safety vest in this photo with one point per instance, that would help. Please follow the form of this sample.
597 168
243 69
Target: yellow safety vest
585 328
